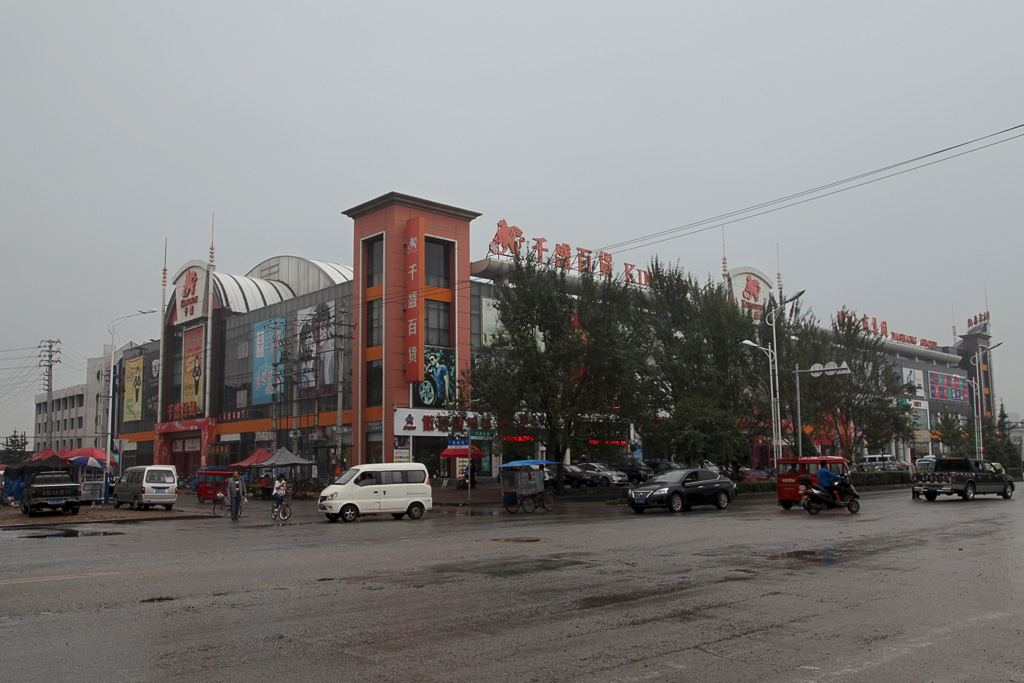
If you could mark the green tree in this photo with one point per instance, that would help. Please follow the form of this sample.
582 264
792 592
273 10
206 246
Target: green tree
1006 452
15 448
953 434
566 350
866 408
696 391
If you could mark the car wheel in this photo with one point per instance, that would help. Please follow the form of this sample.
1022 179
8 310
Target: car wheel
968 493
32 511
854 506
116 502
786 504
1008 491
675 503
606 481
24 508
332 517
397 515
634 480
135 504
930 495
722 500
415 511
75 509
638 510
575 483
349 513
200 499
169 507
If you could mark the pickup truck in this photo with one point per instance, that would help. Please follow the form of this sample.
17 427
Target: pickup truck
963 477
50 491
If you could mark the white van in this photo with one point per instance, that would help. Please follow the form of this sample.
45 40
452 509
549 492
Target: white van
145 486
400 488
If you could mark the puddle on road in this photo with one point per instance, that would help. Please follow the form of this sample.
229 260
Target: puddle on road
70 533
517 539
823 557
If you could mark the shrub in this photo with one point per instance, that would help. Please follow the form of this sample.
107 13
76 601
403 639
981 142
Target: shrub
889 478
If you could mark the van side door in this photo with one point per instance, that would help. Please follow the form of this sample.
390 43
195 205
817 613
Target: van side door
366 492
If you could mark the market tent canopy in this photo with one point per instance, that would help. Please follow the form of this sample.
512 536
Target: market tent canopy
285 458
460 452
31 467
256 458
44 454
525 463
64 450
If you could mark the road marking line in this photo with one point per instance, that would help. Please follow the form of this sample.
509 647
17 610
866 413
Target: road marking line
65 577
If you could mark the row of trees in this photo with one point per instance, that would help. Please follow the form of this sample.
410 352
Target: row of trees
577 354
959 437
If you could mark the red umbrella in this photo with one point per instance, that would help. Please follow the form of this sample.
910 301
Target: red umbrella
89 452
64 450
43 454
460 452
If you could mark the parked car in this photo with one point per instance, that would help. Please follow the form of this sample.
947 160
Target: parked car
606 475
573 476
757 475
679 490
636 470
661 466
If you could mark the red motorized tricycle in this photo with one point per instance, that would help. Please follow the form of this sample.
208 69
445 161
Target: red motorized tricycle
787 482
210 481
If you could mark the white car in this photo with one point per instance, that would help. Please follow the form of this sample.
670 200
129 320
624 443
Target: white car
608 476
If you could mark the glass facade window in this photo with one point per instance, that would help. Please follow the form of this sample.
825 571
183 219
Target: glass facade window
374 261
438 327
375 322
438 264
375 383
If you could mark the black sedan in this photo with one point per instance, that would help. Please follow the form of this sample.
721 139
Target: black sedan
679 490
573 476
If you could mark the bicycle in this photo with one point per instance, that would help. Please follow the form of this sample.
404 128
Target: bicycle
284 511
221 506
530 502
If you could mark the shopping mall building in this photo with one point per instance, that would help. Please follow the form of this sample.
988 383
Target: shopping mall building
352 364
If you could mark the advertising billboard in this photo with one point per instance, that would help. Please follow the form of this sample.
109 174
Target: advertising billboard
151 382
438 386
943 387
316 350
134 370
192 368
266 354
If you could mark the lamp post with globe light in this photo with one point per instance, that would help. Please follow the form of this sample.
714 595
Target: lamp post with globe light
112 328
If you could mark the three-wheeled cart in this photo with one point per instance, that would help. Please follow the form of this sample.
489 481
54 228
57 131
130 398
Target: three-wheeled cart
522 486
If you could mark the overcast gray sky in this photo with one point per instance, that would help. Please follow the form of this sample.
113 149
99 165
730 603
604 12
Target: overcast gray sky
125 123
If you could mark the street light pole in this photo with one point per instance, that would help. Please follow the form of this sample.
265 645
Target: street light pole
771 392
112 328
979 389
774 358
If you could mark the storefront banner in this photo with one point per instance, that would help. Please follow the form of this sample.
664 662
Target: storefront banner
421 422
316 350
133 381
403 452
266 356
192 368
415 319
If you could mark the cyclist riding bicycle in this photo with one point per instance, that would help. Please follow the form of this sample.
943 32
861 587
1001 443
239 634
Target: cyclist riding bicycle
280 487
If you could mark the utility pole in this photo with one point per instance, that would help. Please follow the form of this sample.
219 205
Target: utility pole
48 357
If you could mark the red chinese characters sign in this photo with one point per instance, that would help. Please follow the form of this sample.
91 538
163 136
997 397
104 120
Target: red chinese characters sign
881 329
509 241
414 310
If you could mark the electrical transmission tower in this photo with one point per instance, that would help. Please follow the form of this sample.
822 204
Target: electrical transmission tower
49 355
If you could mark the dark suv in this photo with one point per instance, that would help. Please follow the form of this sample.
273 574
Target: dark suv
635 469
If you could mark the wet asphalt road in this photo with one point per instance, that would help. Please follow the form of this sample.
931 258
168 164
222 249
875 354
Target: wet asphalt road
904 591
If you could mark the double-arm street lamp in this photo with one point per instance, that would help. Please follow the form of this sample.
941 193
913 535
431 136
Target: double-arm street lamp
112 328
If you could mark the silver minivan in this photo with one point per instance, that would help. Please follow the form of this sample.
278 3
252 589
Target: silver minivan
396 488
147 485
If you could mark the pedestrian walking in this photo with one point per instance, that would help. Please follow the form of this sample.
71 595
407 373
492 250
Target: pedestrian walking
237 493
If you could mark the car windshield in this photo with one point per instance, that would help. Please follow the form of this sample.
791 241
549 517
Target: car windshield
670 477
346 476
572 468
